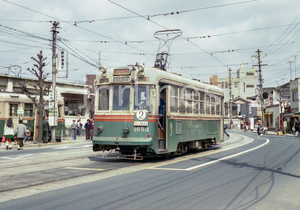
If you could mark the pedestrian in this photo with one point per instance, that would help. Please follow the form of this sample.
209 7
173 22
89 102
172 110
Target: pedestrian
259 128
28 133
296 125
74 130
245 125
45 130
9 132
87 127
225 127
79 125
20 133
92 129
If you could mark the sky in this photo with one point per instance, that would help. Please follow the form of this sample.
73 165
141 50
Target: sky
216 35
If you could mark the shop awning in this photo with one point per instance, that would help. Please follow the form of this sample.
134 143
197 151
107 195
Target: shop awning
296 113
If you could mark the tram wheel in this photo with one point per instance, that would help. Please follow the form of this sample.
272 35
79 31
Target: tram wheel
167 156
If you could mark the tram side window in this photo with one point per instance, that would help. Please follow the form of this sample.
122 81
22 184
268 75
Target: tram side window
174 99
196 102
202 103
218 106
142 97
213 105
182 100
121 96
103 99
13 108
207 104
189 101
28 110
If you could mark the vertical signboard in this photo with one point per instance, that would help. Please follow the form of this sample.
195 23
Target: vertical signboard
62 64
53 108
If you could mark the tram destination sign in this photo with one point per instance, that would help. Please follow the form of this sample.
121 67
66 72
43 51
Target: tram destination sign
121 72
140 123
121 79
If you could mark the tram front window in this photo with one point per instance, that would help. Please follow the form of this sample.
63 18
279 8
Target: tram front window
142 97
121 96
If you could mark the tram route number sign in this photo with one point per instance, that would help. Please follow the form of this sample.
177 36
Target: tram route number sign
121 79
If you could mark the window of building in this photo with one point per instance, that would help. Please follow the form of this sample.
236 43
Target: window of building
249 74
13 108
28 110
295 96
236 84
244 87
250 86
72 108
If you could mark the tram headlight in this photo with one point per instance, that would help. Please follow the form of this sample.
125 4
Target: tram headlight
102 69
141 67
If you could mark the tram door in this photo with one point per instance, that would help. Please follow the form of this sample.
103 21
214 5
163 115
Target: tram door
162 124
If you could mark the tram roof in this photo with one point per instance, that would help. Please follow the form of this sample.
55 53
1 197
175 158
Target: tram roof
156 76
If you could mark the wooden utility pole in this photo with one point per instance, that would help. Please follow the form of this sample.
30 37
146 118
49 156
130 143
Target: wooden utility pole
260 84
230 99
54 96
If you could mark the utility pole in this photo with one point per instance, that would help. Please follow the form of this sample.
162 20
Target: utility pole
54 123
230 101
290 62
295 65
260 84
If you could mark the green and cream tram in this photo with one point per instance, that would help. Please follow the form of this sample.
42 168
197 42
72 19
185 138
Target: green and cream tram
150 112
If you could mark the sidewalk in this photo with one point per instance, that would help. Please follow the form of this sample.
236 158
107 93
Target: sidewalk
64 140
268 132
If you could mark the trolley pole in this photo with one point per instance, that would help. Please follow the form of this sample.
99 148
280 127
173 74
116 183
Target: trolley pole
54 123
230 100
260 85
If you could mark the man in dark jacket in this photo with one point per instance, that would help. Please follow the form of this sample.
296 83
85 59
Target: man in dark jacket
87 127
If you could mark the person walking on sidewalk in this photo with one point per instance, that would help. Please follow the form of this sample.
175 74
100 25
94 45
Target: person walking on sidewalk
74 130
28 133
87 127
20 132
9 132
225 127
296 125
259 126
79 124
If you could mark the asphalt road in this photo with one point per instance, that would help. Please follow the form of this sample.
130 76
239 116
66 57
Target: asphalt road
259 174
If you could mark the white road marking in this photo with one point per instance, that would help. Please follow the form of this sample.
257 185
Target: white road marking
228 157
88 169
14 158
208 163
71 147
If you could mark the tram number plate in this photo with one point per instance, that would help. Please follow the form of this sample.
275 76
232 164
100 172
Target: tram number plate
121 79
141 129
140 123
